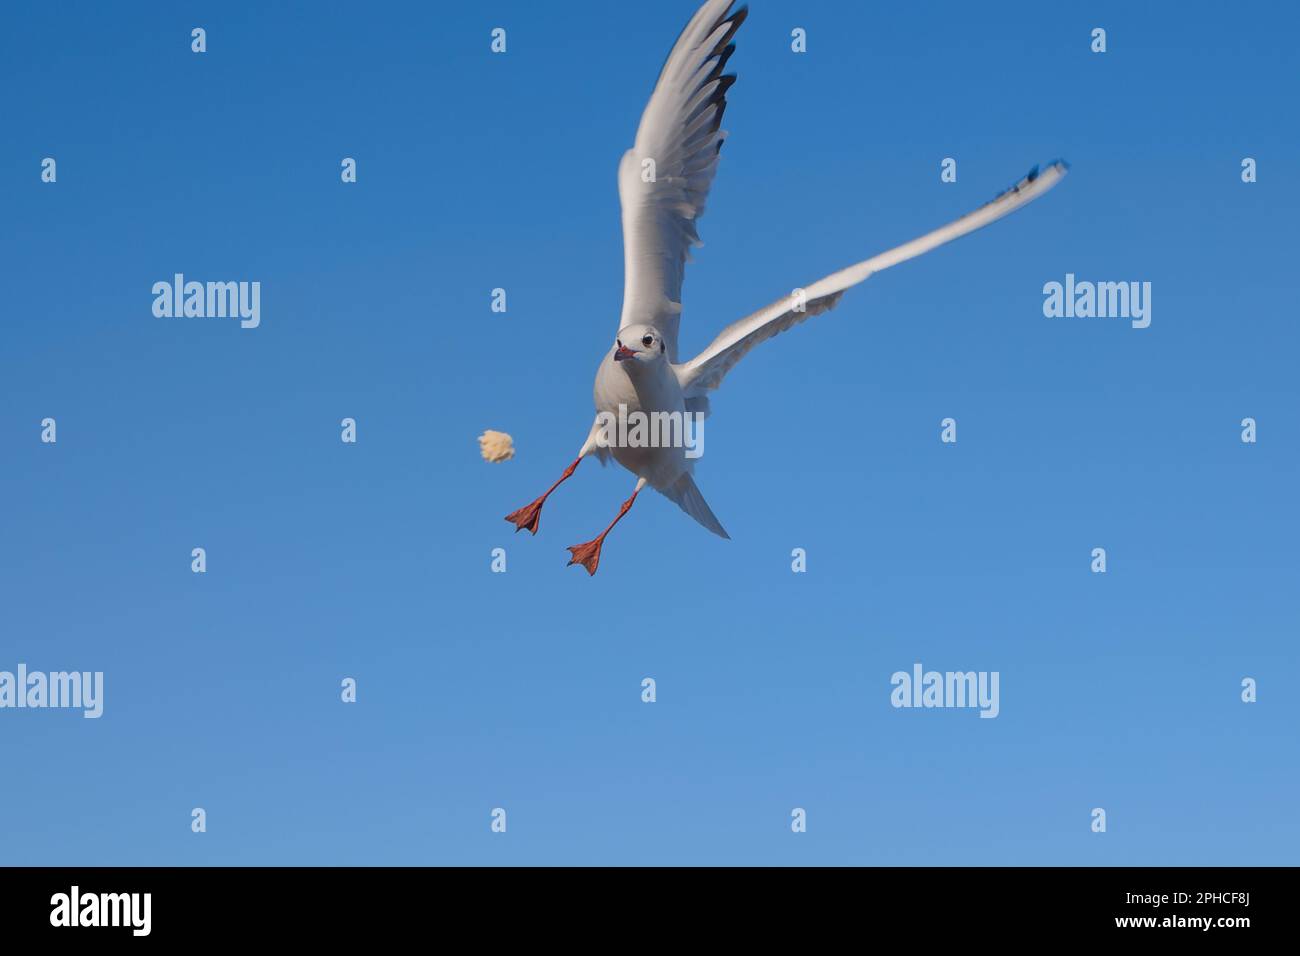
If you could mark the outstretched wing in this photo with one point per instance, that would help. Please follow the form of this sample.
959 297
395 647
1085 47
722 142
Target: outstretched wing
707 369
664 179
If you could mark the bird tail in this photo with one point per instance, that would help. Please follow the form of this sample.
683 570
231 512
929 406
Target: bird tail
687 495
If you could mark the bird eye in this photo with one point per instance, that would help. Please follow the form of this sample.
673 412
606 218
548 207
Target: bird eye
618 342
648 341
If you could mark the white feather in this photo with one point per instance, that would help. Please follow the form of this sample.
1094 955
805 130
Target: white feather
707 369
677 143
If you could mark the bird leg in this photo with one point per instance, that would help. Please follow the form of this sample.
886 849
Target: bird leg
528 515
588 555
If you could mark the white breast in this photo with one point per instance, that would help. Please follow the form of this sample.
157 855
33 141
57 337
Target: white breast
643 391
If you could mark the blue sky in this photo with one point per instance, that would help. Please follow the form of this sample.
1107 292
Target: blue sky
522 690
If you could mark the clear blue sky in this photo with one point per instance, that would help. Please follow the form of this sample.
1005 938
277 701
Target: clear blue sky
522 690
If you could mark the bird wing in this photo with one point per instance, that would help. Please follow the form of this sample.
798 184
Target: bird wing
664 179
707 369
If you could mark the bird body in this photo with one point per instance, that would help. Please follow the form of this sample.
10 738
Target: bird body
645 386
663 182
632 390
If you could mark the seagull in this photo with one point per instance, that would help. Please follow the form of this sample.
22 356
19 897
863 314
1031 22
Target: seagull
663 182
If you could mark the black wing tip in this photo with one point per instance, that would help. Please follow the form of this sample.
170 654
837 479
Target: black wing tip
1058 164
735 20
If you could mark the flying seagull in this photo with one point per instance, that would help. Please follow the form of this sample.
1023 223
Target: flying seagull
663 181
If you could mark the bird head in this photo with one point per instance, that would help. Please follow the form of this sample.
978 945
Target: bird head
639 345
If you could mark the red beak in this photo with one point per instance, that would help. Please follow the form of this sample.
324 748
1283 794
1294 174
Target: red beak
623 352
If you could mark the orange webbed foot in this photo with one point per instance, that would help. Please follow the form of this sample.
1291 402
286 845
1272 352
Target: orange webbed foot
588 555
528 516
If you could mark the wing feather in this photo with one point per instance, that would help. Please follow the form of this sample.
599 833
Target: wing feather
664 179
707 369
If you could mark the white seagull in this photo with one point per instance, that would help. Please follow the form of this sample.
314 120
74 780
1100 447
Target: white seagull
663 181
